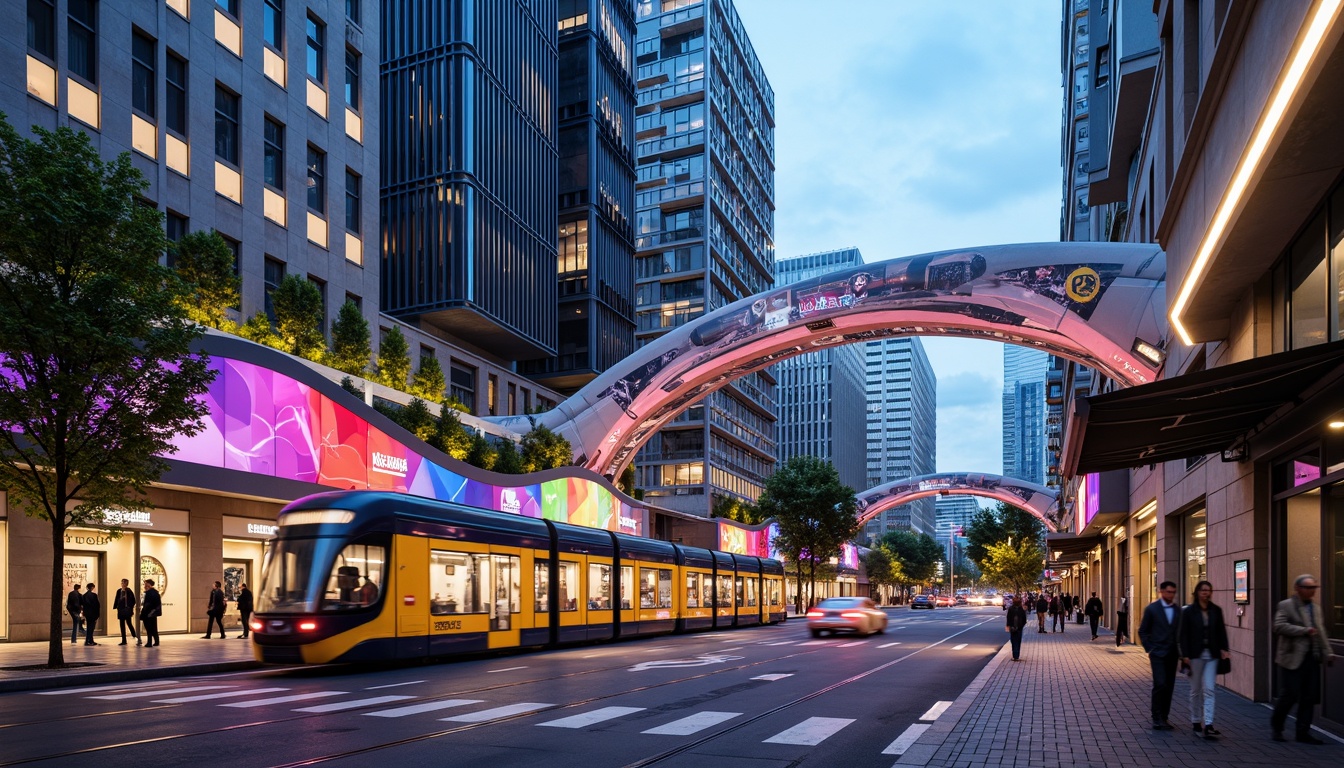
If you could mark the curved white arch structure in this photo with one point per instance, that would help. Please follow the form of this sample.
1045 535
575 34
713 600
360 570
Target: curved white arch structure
1095 303
1037 499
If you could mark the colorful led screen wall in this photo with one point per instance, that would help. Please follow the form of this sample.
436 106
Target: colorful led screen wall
266 423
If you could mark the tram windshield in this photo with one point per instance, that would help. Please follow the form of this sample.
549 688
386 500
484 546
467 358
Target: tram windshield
307 575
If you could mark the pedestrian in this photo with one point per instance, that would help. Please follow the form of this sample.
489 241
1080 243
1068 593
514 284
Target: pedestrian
151 607
1303 647
245 608
1157 632
124 605
1017 621
1202 639
1078 608
1122 621
92 610
1054 613
1093 609
74 605
1041 607
214 612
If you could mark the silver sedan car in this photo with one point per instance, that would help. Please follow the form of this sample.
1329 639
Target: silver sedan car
846 614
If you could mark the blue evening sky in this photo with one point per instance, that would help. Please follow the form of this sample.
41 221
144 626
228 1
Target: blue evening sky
909 126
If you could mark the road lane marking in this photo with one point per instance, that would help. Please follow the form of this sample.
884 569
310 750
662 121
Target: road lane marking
786 642
497 713
284 699
393 685
936 710
888 645
121 687
591 718
850 645
810 732
340 705
772 678
816 642
506 669
959 646
161 692
693 723
416 709
907 739
725 650
220 695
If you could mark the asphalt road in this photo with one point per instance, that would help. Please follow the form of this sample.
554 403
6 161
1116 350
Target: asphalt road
765 696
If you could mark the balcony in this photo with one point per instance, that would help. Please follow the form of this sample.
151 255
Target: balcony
672 146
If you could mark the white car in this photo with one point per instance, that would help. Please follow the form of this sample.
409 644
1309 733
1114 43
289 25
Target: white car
846 614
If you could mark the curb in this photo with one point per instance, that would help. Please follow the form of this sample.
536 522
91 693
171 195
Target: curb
928 744
42 681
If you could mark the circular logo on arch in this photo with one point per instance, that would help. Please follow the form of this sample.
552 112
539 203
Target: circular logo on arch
1083 285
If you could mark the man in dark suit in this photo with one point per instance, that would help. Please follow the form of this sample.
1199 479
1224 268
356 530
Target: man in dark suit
214 612
1094 610
74 605
1157 633
245 609
92 610
151 606
124 605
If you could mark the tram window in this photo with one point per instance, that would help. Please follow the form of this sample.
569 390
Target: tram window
505 571
569 586
599 587
627 585
775 597
725 591
751 593
739 591
655 588
542 586
693 587
354 578
459 582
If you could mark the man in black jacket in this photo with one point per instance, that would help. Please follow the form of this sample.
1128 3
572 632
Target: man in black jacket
1157 633
151 606
1093 609
214 612
74 605
124 605
92 610
1017 620
1041 607
245 608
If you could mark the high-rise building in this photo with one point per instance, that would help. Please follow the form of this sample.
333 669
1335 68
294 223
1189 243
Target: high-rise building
822 394
901 428
704 213
596 246
1024 413
469 172
954 513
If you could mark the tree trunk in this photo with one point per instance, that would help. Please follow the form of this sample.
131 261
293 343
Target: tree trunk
56 639
811 582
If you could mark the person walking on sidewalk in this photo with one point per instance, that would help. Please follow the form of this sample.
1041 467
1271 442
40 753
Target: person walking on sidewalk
245 608
1303 647
74 605
1017 621
92 611
1202 639
1157 632
1041 607
214 612
124 605
151 607
1056 607
1122 621
1093 609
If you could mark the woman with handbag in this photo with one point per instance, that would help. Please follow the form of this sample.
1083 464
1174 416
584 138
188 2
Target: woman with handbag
1202 639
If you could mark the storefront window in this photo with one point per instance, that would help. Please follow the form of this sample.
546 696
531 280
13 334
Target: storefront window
4 585
1195 537
1147 575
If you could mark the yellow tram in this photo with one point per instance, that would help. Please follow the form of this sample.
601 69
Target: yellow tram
370 576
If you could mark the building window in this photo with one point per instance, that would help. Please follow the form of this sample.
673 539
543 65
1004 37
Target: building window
462 384
142 74
228 6
175 81
174 228
228 31
352 10
492 394
321 289
42 28
226 125
83 54
1195 551
274 274
573 247
352 181
356 300
317 35
317 180
352 67
273 24
273 166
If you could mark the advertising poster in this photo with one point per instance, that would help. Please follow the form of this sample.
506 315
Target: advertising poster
1241 582
249 413
342 447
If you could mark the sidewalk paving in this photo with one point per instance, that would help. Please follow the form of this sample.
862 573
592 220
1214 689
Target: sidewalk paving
178 655
1072 701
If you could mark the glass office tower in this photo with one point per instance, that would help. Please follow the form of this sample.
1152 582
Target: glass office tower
902 428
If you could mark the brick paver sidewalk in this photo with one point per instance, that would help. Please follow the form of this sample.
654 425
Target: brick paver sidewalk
1071 701
111 663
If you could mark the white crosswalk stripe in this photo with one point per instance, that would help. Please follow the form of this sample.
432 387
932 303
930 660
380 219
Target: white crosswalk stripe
772 678
816 642
786 642
357 703
161 692
592 718
497 713
850 645
811 731
959 646
217 695
693 723
284 699
119 687
416 709
906 739
936 710
888 645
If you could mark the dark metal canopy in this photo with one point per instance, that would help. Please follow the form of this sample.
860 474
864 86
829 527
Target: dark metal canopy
1204 412
1072 549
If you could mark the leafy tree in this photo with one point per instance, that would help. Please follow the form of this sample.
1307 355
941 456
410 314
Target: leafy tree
542 448
258 329
1016 566
94 341
348 385
417 419
205 264
733 508
815 512
298 317
428 381
883 569
481 454
917 553
1000 524
449 435
627 480
350 341
508 460
394 360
